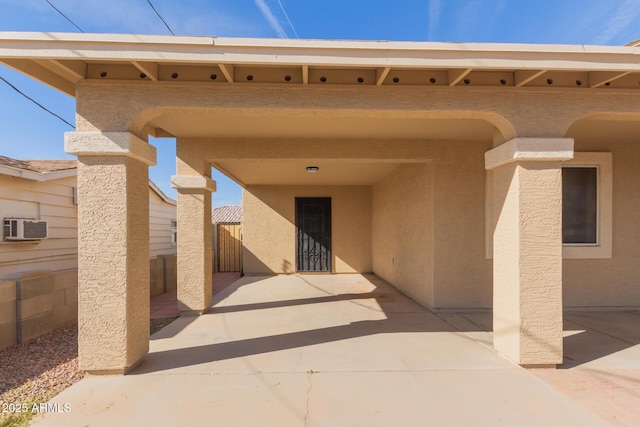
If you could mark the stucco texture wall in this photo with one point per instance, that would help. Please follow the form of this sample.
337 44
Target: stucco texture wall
402 233
462 274
614 281
269 227
428 227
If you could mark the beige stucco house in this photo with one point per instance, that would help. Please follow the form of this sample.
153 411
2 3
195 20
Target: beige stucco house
467 175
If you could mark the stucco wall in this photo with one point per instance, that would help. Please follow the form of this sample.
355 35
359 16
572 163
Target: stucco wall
428 227
614 281
462 274
402 230
269 227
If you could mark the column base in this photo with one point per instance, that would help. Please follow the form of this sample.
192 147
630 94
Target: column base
540 366
119 371
194 313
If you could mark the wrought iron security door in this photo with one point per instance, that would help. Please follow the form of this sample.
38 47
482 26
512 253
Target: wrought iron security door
313 234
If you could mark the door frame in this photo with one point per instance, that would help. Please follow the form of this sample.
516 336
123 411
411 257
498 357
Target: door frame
298 202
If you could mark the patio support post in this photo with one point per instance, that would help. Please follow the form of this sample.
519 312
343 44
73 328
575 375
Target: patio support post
113 249
527 248
195 255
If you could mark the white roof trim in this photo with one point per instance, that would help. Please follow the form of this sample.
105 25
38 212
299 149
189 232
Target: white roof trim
252 51
65 173
37 176
160 193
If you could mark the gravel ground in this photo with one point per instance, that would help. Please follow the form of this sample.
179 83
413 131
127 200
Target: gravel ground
32 371
38 370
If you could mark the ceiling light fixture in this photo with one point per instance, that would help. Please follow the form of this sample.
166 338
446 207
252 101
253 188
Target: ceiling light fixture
313 169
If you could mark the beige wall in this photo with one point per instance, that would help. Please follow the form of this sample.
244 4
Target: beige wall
51 201
269 227
462 276
160 215
428 227
614 281
402 230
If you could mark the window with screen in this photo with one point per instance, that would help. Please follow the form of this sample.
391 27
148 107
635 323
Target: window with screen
580 205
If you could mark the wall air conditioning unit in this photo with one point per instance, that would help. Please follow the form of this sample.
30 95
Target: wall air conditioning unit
24 229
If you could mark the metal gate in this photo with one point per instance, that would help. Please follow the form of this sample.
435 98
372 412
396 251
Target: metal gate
313 234
229 247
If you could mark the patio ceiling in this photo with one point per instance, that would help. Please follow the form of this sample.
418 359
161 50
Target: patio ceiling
63 60
293 172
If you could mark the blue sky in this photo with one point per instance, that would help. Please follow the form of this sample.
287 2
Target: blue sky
28 132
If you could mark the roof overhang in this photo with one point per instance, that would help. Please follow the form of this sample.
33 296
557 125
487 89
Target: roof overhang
35 175
62 60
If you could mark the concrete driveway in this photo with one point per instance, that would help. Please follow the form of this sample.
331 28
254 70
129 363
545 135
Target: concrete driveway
325 350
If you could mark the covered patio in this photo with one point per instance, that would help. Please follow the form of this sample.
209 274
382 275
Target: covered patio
463 146
352 350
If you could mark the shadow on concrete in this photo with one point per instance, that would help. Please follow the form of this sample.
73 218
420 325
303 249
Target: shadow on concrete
401 315
595 335
220 282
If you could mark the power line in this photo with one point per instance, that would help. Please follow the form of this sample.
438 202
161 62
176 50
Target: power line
65 16
161 18
599 19
35 102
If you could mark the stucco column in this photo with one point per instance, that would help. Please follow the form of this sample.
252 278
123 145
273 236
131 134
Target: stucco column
527 248
113 249
195 259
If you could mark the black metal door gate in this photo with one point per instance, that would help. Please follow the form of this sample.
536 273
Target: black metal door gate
313 234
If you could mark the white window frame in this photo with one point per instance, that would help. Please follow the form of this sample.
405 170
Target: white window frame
174 232
603 248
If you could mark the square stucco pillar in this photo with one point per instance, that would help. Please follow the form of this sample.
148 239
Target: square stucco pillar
113 249
527 248
195 260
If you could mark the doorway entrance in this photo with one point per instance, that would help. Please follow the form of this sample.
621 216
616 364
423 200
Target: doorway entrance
313 234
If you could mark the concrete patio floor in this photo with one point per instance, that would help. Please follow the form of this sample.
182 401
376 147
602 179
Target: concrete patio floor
350 350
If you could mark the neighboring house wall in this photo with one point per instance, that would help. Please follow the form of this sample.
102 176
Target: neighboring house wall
51 201
269 227
38 279
161 214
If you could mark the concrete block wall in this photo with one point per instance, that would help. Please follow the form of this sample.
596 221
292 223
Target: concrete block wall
65 299
170 272
41 302
8 335
45 301
156 278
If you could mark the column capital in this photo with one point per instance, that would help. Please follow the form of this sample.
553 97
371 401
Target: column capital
193 182
122 144
529 149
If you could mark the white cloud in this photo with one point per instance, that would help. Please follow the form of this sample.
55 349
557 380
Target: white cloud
434 17
271 19
286 15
